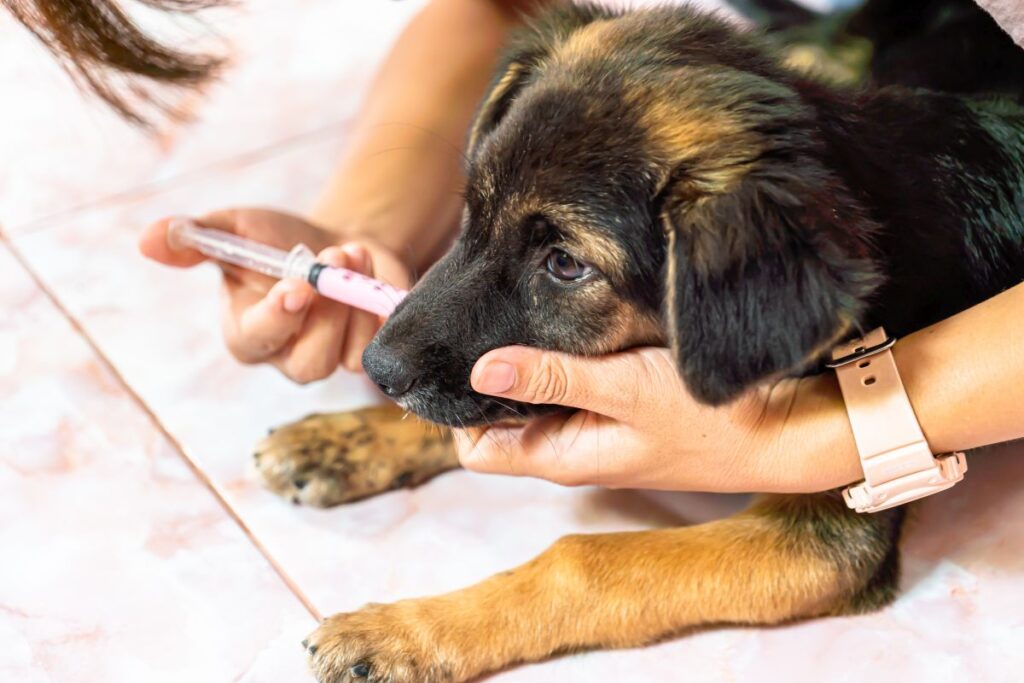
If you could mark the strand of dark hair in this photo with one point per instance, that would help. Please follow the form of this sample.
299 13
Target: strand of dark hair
105 51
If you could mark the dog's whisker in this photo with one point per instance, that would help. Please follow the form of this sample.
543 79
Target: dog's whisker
494 439
481 409
551 443
507 407
579 431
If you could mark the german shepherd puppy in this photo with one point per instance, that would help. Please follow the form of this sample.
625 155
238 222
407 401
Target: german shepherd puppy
661 177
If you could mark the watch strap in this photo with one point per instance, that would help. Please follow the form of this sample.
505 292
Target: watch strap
899 466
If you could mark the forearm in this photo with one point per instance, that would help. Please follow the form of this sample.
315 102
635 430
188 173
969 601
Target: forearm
400 180
964 377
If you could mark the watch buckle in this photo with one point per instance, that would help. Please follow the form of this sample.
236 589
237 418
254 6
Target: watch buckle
861 352
947 470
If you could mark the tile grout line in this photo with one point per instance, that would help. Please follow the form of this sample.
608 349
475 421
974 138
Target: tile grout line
162 429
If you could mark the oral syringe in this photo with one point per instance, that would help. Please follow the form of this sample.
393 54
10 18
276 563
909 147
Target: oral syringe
339 284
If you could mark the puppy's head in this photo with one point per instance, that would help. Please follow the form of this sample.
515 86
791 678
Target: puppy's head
647 178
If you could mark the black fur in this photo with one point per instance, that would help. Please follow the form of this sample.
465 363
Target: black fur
878 206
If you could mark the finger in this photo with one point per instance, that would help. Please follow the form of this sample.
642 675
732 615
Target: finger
608 385
361 325
258 326
316 351
493 450
153 245
465 441
558 448
273 228
153 240
224 219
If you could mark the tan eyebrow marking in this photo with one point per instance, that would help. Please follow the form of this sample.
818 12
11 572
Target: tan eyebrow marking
588 244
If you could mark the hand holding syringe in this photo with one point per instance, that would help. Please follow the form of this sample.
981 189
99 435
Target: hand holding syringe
339 284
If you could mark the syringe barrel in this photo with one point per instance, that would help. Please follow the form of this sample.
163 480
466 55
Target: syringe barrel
229 248
356 289
339 284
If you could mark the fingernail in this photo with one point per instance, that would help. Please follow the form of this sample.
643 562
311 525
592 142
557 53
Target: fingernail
295 301
496 377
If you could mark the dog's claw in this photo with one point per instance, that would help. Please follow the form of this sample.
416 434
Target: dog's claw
377 644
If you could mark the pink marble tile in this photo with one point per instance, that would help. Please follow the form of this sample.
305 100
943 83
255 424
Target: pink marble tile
296 67
118 565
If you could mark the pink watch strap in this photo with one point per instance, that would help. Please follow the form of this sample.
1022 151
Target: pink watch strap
899 466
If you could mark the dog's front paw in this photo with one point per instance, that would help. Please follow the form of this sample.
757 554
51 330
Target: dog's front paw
377 644
326 460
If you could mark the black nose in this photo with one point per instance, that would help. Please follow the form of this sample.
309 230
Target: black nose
388 370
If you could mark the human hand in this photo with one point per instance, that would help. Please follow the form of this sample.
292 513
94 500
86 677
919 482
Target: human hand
285 323
636 426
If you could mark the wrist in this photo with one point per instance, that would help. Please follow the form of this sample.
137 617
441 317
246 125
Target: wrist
814 449
922 358
963 374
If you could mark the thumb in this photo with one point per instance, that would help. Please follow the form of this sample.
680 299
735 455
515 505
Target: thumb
533 375
153 245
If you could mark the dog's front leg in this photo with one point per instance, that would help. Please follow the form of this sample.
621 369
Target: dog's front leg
784 558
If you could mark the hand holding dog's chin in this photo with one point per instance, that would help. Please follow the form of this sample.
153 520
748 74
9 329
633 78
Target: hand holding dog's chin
636 426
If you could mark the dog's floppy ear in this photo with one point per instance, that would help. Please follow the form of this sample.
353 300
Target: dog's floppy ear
524 55
761 278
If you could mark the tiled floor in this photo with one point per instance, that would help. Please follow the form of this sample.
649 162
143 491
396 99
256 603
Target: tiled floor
134 543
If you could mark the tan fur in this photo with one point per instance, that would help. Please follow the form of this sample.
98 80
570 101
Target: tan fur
683 129
847 62
596 40
629 328
514 71
715 145
590 591
582 241
325 460
824 349
671 285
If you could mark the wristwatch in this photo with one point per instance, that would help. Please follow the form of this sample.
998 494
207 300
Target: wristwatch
899 466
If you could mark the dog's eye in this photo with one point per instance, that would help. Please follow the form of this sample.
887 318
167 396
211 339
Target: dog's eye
566 267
